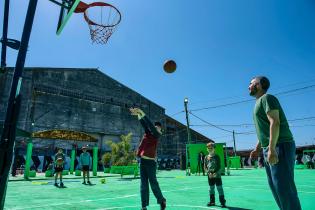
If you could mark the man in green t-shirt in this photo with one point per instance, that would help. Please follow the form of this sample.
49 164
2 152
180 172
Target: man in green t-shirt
276 139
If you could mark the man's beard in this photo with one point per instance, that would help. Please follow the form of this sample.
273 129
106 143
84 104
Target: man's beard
253 91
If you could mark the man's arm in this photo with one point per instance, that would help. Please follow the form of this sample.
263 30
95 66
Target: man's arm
90 159
256 151
273 117
146 123
140 115
218 164
258 146
81 158
205 165
152 128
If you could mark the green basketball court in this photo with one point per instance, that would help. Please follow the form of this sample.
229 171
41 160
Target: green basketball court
244 189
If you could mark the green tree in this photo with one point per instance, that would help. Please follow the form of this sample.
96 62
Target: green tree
121 153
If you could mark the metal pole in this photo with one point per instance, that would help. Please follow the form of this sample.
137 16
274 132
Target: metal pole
188 138
95 160
72 160
28 159
187 120
5 33
6 151
8 134
234 143
227 160
19 66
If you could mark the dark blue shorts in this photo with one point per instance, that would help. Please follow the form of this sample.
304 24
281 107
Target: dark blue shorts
85 168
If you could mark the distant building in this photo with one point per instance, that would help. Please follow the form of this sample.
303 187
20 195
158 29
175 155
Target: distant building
88 101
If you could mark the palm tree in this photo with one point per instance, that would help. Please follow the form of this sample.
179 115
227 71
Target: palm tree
121 153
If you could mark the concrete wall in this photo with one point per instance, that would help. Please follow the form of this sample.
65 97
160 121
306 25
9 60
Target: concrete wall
84 100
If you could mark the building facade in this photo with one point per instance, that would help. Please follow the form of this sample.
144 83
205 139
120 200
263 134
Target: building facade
88 101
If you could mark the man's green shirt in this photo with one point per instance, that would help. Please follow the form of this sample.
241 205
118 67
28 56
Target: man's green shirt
263 105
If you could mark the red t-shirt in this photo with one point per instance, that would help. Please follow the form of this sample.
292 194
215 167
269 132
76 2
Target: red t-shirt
149 142
148 146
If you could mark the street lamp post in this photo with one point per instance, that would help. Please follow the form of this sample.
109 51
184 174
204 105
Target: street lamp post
234 143
188 138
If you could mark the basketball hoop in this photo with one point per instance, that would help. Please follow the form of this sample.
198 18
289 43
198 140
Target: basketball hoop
109 19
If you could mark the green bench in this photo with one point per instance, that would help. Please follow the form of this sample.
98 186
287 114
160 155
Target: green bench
300 166
77 172
32 173
49 173
65 172
125 170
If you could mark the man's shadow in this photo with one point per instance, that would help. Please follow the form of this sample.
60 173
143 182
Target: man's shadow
232 208
235 208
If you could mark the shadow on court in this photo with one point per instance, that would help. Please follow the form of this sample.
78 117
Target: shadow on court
235 208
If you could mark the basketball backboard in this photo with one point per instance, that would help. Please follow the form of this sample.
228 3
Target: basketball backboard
66 11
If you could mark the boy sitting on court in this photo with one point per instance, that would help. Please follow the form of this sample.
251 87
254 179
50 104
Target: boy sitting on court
213 167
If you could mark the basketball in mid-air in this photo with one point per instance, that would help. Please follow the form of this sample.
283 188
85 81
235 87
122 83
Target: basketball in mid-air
169 66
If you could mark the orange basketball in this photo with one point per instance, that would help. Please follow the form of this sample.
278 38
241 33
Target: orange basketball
169 66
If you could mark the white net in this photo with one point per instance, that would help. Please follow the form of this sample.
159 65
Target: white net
102 21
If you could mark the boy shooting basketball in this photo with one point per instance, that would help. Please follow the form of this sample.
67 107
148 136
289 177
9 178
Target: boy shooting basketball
147 152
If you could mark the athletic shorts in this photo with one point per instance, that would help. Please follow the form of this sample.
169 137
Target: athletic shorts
85 168
58 169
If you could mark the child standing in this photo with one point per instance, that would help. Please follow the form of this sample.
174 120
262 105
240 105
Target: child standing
59 162
85 163
213 167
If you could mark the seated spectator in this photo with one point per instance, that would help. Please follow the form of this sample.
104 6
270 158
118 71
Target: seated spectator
308 161
50 167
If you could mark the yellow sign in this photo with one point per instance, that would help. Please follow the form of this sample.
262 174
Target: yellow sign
64 135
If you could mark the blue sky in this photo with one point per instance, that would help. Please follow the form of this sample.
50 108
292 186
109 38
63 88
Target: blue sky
219 45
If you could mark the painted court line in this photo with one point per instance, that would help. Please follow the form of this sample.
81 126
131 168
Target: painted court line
100 199
168 206
252 187
75 202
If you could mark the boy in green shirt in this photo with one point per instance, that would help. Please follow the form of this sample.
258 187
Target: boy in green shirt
213 168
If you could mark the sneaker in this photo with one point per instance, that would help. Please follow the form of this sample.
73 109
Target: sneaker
222 201
84 182
61 184
212 200
163 205
56 185
89 182
210 204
